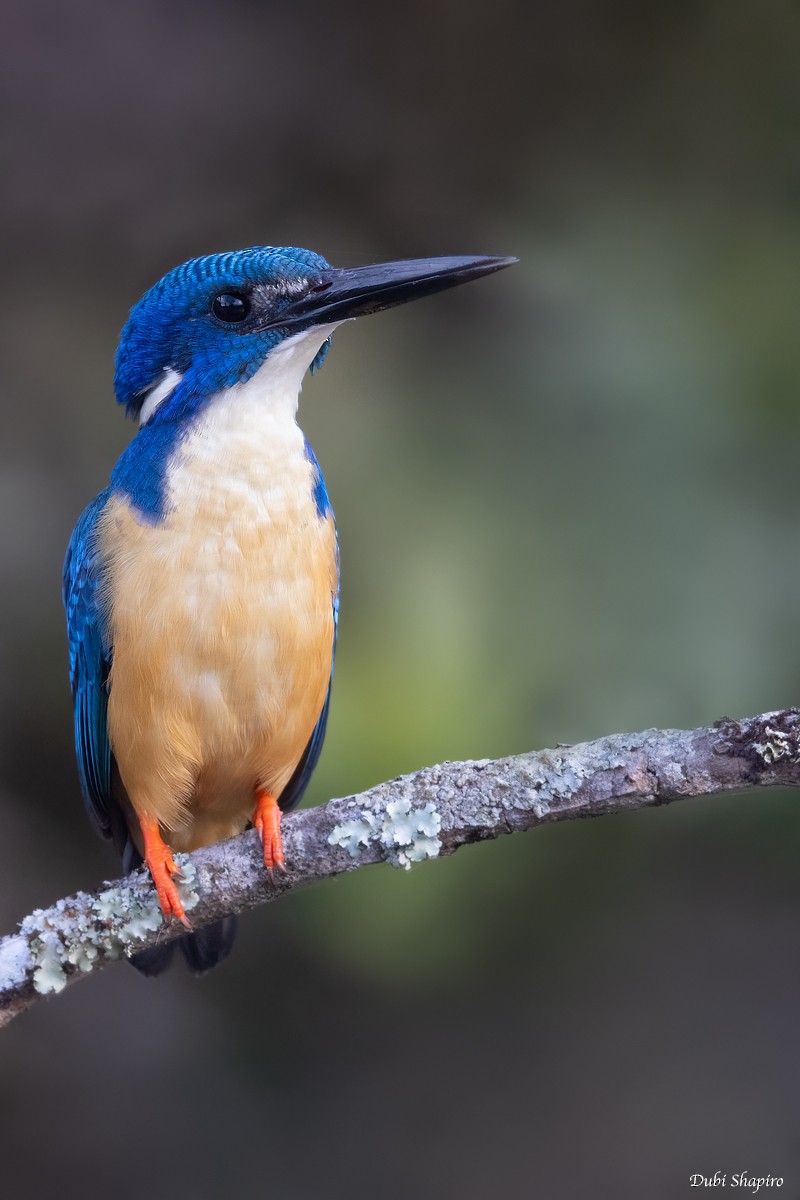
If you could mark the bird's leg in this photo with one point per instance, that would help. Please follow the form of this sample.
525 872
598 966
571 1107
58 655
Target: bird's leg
267 820
162 867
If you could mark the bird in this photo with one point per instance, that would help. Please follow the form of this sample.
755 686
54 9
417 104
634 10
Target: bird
201 586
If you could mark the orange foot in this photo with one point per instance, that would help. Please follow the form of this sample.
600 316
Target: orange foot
267 820
162 867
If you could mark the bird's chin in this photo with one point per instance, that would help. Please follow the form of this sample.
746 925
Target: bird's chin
285 366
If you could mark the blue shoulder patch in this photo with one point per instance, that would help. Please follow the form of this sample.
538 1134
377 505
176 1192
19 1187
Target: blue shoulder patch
319 491
141 469
320 356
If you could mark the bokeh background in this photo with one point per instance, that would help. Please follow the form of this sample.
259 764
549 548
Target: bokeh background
568 505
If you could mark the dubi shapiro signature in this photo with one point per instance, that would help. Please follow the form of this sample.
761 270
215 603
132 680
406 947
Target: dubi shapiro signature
742 1179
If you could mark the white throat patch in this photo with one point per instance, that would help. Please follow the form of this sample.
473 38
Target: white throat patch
280 377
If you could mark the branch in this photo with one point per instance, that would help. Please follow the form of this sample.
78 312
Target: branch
424 815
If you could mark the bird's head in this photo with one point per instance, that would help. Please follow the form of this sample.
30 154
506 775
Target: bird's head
214 321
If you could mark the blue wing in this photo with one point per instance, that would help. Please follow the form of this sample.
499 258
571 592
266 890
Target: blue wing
292 794
89 662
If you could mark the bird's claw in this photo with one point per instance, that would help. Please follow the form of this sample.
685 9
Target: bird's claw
162 867
267 820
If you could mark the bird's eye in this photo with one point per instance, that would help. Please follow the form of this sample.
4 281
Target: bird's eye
230 307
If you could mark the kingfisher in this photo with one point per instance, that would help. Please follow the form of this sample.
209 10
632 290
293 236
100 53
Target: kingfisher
202 585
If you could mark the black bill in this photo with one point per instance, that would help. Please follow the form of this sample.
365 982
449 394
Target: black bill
340 293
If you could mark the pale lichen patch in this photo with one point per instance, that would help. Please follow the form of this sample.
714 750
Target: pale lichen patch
776 745
83 957
49 975
15 959
112 923
407 834
352 835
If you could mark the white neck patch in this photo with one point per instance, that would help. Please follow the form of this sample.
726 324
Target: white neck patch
158 393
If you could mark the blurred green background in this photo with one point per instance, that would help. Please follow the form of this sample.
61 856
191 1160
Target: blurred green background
567 499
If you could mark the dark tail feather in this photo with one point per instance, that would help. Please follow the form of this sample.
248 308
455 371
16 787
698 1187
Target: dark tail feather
207 947
202 950
153 961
